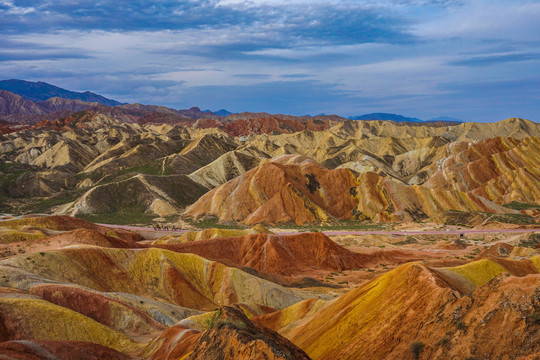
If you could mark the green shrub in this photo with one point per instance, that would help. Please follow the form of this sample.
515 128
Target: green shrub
534 318
531 242
417 347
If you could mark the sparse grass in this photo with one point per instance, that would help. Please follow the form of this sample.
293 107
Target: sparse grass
45 205
408 240
534 318
521 206
340 225
150 168
216 322
120 218
519 219
210 223
444 341
531 242
460 218
9 173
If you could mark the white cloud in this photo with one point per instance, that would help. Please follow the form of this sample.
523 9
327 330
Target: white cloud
484 19
16 10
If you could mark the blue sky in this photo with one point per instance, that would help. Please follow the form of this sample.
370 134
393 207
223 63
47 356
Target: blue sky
478 60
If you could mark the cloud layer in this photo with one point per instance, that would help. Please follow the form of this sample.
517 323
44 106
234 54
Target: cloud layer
473 59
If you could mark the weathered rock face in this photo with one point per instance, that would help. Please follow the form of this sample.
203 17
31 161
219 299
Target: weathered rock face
411 304
225 168
61 350
43 183
235 337
122 299
200 152
92 148
284 255
287 189
383 199
139 194
113 313
268 124
502 170
67 223
208 234
182 279
277 191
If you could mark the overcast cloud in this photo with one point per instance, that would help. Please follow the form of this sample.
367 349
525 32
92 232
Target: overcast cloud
478 60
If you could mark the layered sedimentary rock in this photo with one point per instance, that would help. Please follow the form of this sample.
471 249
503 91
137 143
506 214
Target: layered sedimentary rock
415 304
211 233
61 350
226 167
290 189
163 195
500 169
284 254
85 150
235 337
182 279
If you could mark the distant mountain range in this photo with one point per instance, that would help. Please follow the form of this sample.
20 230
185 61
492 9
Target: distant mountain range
222 112
41 91
401 118
20 97
385 116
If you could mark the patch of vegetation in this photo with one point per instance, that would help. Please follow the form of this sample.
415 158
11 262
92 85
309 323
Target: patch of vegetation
9 173
531 242
515 205
519 219
83 176
124 217
211 321
408 240
150 168
212 222
460 218
338 225
307 282
461 325
417 347
444 341
216 322
534 318
42 205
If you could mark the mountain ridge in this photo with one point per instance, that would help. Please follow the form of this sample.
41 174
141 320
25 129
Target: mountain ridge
42 91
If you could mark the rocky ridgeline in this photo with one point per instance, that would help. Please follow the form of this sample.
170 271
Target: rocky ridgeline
373 170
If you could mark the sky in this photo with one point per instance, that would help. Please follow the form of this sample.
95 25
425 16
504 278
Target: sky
476 60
